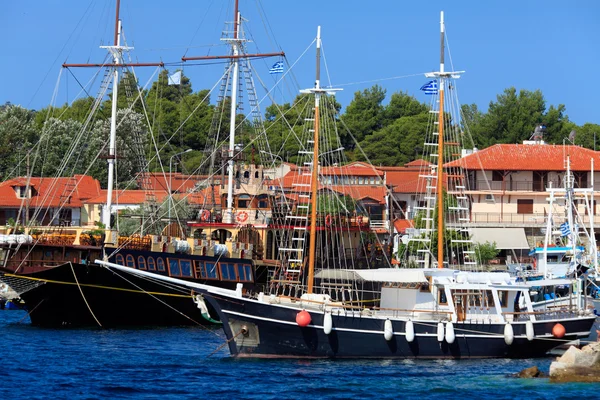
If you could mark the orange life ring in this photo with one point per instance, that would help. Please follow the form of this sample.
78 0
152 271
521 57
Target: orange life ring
205 215
328 220
241 217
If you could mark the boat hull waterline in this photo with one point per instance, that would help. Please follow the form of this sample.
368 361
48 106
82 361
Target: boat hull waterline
260 330
79 295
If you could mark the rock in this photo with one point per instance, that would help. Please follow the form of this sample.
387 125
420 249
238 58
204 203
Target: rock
577 365
531 372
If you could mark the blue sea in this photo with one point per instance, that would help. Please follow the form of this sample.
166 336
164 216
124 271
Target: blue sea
186 363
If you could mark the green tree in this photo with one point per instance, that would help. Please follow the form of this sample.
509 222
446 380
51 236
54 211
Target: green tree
485 252
364 115
17 135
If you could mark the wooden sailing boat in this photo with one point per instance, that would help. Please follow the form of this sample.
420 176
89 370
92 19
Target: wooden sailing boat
424 312
56 276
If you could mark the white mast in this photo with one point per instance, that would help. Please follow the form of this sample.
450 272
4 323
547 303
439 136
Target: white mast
117 53
234 86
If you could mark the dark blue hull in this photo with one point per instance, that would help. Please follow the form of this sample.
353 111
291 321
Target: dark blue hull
269 331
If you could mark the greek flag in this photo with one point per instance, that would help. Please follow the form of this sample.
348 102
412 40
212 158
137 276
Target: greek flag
175 79
430 87
277 68
564 229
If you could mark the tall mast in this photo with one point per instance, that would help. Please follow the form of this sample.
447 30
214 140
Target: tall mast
235 43
116 51
442 75
440 168
314 183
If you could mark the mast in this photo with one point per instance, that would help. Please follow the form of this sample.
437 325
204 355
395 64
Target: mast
117 54
440 168
314 183
234 86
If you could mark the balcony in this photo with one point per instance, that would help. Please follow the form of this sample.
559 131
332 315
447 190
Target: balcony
514 186
535 219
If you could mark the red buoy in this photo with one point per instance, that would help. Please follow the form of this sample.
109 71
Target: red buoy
558 331
303 318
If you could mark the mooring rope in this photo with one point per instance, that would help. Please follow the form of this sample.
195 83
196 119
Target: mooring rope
227 341
32 310
82 295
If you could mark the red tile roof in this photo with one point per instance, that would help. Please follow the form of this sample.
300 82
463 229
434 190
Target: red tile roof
524 157
179 182
351 170
129 196
402 224
51 192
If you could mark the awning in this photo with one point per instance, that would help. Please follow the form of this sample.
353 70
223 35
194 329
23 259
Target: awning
505 238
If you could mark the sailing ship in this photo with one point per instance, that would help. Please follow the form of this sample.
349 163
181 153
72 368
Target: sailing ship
56 275
427 309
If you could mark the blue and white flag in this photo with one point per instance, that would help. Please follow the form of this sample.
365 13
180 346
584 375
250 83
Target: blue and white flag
430 87
175 79
564 229
277 68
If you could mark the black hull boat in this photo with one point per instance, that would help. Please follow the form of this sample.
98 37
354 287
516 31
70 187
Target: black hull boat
266 331
76 294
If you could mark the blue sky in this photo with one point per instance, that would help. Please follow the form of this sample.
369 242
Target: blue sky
529 44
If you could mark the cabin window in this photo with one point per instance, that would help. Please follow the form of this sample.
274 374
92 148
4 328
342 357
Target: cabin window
425 286
247 174
151 264
256 174
503 296
119 259
244 272
130 261
211 270
186 268
141 262
174 269
160 264
200 269
228 271
442 300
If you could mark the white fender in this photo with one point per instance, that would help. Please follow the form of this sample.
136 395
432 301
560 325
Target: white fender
450 332
440 332
410 331
327 323
529 330
509 335
388 332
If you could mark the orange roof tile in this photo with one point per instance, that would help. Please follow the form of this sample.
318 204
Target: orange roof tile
402 224
524 157
51 192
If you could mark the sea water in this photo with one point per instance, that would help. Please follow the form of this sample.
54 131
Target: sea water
191 362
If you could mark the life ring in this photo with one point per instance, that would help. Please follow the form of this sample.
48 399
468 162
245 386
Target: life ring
328 220
204 215
241 217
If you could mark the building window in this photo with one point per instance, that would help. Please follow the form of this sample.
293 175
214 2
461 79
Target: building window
524 206
263 201
243 201
141 262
